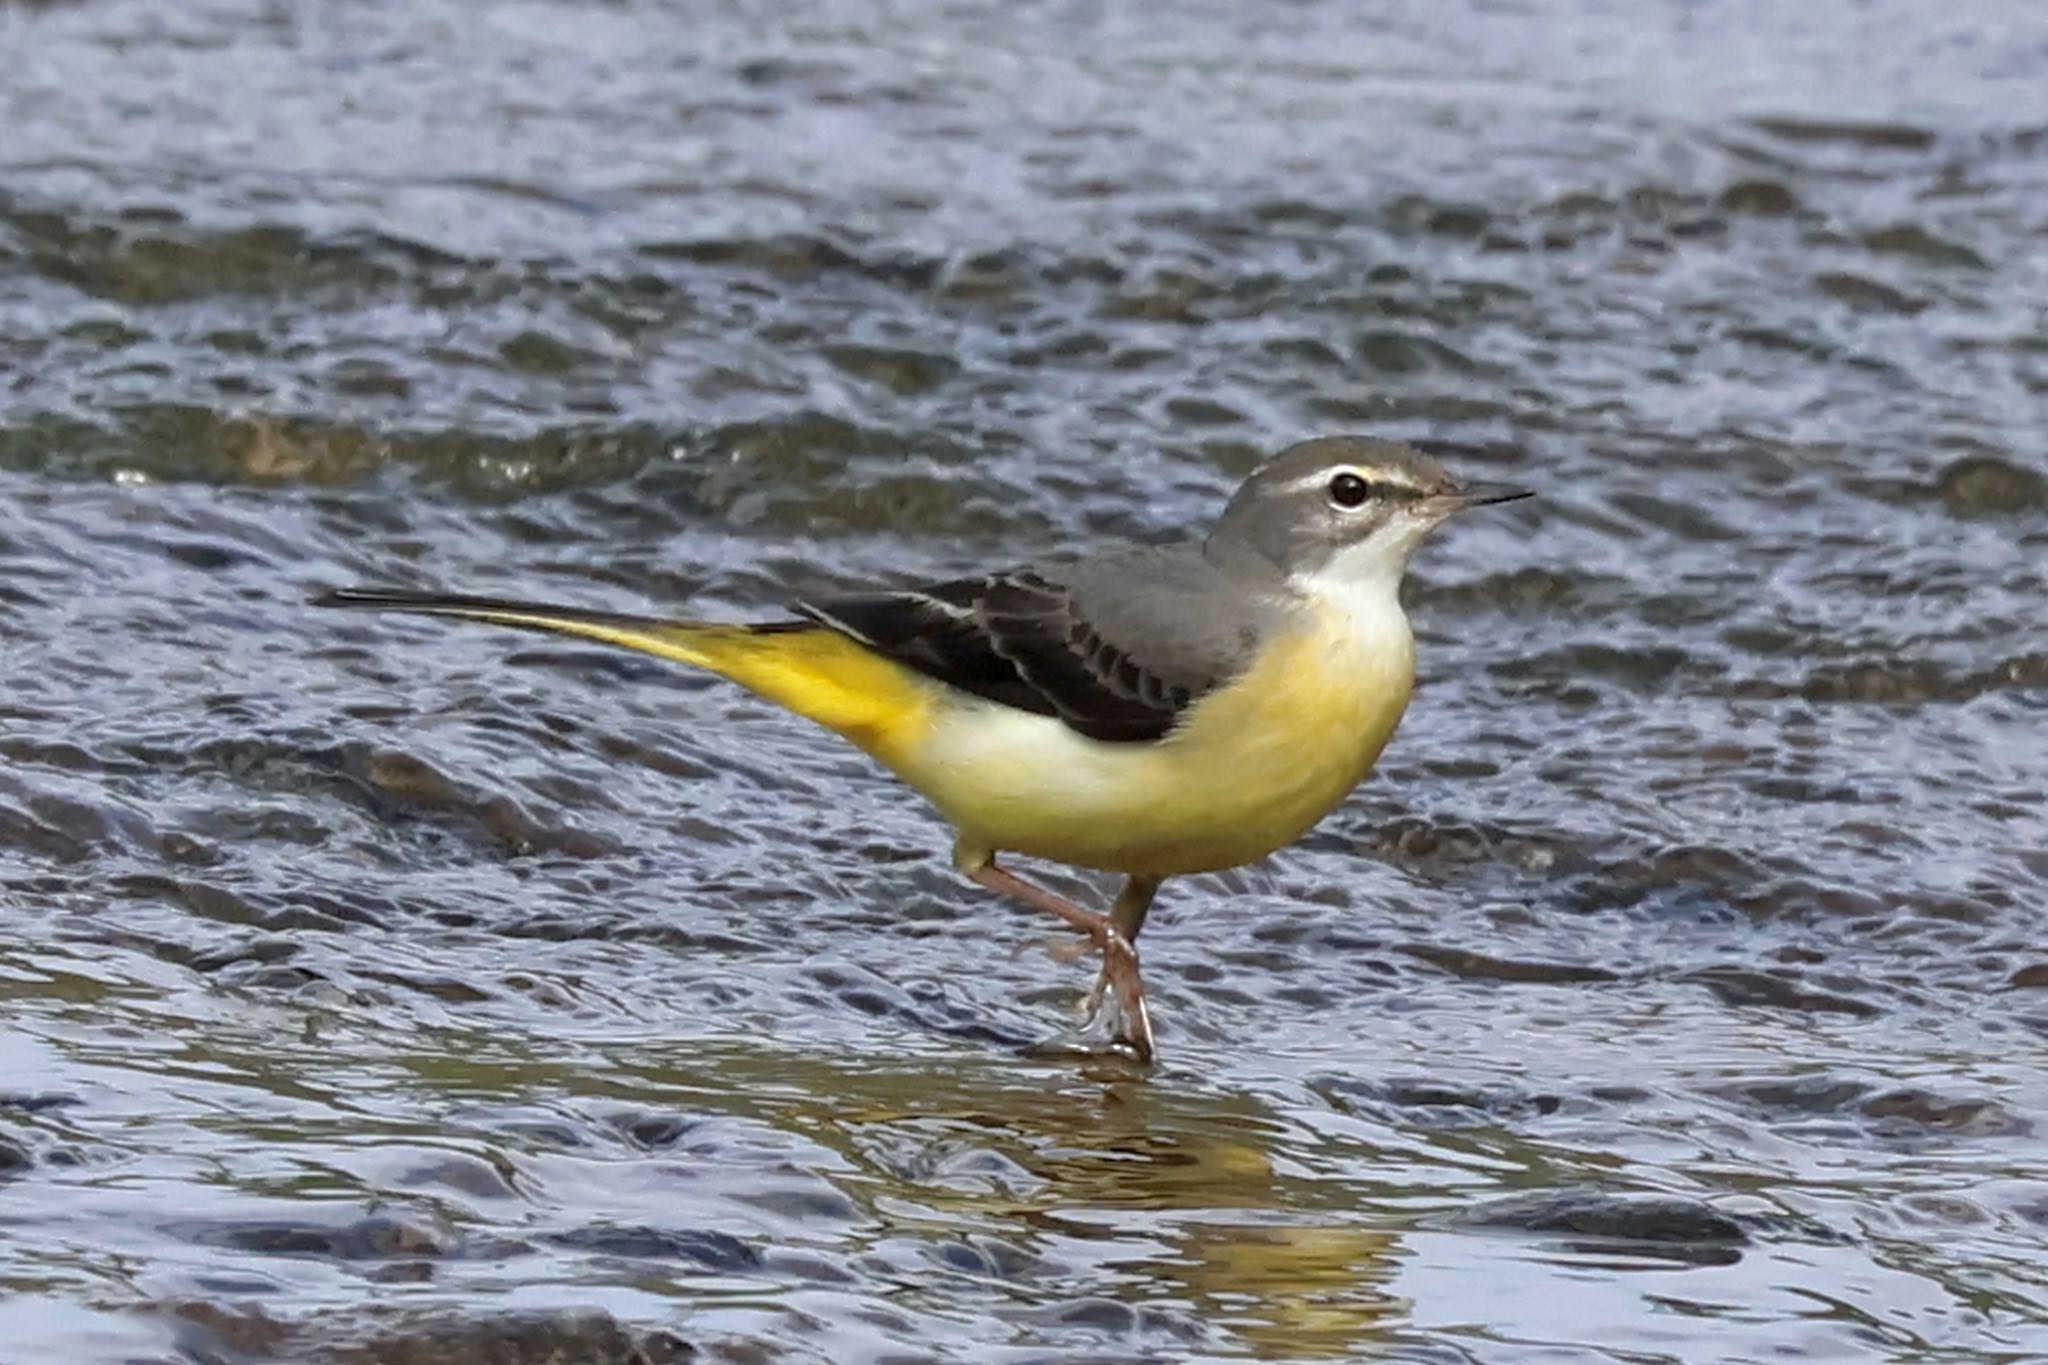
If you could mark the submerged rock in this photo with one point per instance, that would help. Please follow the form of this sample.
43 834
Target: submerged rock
1610 1217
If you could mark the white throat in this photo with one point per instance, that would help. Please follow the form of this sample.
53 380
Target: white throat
1358 590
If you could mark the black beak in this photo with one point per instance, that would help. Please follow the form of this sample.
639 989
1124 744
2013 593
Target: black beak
1483 494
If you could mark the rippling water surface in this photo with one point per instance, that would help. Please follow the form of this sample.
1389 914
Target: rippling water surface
383 992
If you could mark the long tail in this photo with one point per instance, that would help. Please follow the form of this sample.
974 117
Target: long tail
811 669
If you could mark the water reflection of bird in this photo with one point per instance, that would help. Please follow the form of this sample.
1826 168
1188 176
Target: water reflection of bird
1153 712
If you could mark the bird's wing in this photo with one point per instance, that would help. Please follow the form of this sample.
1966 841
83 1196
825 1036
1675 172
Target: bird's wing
1116 649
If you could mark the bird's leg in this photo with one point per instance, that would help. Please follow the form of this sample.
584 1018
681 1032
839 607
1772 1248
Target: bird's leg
1126 918
1132 904
1091 923
1130 1024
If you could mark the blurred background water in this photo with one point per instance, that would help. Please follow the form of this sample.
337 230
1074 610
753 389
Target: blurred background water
380 992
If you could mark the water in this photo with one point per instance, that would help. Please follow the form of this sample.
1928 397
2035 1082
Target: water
381 991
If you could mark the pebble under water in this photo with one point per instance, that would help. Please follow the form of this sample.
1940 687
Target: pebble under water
382 991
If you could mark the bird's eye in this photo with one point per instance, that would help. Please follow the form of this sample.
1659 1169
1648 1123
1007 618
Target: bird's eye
1348 490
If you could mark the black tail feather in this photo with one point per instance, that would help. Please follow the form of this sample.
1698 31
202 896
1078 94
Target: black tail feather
466 605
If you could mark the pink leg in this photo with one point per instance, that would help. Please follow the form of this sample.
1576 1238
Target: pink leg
1119 981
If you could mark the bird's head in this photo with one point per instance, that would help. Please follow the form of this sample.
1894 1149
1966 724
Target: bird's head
1344 510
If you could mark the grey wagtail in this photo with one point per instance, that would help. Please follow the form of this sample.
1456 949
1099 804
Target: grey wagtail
1150 712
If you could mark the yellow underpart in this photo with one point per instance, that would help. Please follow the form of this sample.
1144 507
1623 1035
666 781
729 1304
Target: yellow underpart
1249 769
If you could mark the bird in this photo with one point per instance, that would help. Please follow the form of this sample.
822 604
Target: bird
1152 711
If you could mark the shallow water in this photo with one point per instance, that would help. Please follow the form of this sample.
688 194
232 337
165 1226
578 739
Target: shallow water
381 991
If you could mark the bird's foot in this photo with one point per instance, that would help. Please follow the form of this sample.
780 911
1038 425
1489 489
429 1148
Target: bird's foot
1116 1007
1113 1015
1117 1004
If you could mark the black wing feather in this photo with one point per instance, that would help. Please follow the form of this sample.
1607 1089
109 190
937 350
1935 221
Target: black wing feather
1021 640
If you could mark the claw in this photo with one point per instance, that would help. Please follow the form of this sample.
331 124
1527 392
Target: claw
1065 950
1060 950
